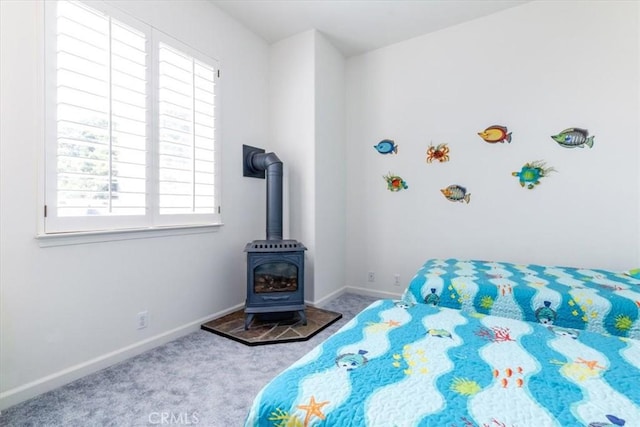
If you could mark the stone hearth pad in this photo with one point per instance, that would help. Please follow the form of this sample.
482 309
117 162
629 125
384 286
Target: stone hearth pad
272 329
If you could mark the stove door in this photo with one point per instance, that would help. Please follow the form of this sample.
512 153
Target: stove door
275 276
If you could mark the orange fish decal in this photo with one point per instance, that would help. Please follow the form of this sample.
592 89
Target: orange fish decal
495 133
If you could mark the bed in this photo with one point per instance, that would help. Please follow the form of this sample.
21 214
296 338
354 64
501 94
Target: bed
594 300
401 364
470 344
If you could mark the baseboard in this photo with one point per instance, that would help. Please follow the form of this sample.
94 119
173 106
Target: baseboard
372 293
353 290
27 391
323 301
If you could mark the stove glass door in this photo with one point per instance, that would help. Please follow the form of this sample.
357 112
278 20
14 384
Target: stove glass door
275 277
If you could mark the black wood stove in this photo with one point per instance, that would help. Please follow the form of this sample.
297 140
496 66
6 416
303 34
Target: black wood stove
275 278
275 267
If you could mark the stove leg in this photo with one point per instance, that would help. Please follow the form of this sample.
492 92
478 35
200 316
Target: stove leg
248 318
303 316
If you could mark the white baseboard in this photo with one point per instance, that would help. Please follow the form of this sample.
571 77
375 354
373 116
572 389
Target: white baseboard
322 301
372 293
354 290
42 385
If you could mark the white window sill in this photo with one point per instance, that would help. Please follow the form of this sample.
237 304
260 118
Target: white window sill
84 237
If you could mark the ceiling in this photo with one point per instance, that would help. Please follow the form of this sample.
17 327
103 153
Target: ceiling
357 26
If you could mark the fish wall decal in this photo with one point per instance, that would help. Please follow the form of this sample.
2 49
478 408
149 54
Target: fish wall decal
495 133
456 193
386 146
574 137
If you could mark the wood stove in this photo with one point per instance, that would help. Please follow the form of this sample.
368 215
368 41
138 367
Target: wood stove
275 278
275 267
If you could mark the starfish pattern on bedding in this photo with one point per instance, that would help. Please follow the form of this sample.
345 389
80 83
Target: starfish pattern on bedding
313 408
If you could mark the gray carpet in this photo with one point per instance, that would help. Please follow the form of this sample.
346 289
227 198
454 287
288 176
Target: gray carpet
200 379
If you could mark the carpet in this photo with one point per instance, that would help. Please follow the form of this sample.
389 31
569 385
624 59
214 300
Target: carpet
265 330
200 373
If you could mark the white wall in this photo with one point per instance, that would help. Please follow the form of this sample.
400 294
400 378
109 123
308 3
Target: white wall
69 310
307 132
538 69
291 136
330 170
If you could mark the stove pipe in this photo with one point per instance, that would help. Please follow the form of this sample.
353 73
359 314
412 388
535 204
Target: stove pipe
270 163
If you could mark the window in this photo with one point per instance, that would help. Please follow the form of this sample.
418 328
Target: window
131 135
186 133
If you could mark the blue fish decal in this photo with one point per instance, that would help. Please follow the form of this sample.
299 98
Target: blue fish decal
351 361
574 137
386 146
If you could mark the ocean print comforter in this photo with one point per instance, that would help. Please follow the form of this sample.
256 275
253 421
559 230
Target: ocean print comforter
594 300
402 364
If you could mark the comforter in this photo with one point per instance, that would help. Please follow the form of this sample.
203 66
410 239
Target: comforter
588 299
404 364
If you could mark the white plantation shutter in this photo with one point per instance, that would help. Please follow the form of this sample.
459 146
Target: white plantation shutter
186 93
99 121
127 148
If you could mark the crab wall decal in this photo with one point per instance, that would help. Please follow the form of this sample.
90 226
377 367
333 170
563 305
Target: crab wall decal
439 153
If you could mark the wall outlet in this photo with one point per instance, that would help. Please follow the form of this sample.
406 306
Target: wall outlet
396 280
142 319
371 276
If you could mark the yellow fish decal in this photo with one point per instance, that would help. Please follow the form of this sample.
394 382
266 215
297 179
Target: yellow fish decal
496 133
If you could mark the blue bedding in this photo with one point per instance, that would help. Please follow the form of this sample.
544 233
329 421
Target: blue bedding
594 300
405 364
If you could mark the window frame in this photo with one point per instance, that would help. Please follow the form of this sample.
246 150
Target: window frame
99 227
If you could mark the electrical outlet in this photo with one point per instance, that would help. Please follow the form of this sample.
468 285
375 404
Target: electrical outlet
396 279
371 276
142 319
